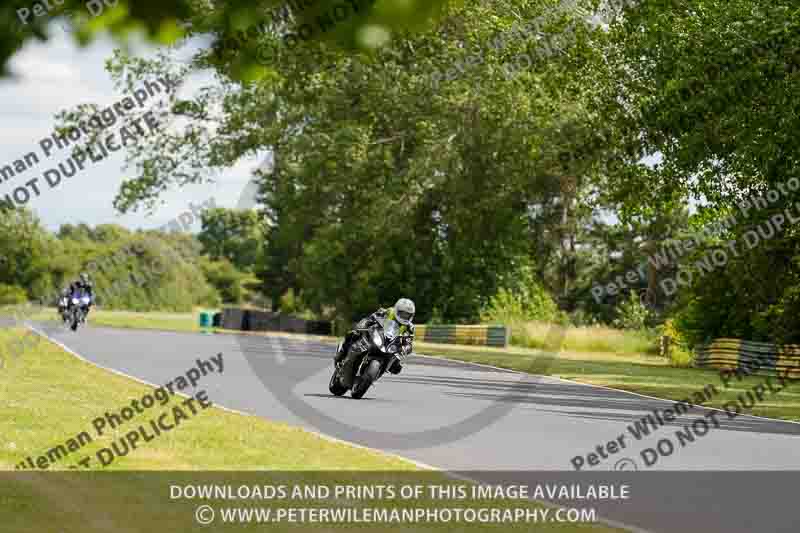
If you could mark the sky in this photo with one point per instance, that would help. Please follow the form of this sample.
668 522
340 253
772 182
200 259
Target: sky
57 75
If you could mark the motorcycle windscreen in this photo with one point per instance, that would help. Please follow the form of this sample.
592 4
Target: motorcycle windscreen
390 329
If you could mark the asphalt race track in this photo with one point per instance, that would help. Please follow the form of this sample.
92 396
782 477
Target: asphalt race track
463 417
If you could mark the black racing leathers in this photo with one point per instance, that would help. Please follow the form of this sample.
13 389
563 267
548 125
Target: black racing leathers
77 287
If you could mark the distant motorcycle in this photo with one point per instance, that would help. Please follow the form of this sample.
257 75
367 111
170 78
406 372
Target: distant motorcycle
63 309
77 311
368 358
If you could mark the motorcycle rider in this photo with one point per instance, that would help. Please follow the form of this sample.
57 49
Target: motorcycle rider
82 284
63 302
402 313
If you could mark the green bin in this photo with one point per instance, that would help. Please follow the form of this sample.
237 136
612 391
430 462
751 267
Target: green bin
205 319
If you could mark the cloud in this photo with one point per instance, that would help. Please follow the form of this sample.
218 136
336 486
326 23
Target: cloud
55 76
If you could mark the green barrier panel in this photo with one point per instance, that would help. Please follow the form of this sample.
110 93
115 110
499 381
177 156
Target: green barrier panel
205 319
759 358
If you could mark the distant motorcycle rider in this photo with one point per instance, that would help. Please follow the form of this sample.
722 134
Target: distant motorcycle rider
82 285
63 301
402 313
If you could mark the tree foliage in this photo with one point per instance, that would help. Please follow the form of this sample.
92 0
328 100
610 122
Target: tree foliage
234 235
415 165
356 25
710 84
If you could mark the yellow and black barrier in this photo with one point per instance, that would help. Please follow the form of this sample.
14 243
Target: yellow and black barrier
496 336
760 358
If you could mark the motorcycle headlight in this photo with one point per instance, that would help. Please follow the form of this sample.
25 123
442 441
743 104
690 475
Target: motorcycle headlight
376 338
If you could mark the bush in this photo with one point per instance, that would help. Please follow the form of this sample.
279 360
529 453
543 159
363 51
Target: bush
581 317
226 278
632 313
680 353
755 295
529 303
436 317
292 304
545 336
146 274
12 295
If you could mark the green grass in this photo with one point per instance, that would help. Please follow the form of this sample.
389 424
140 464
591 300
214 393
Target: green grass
641 373
538 335
120 319
130 319
48 396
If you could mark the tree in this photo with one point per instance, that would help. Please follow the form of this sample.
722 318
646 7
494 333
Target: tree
235 235
710 84
230 21
226 279
392 179
25 247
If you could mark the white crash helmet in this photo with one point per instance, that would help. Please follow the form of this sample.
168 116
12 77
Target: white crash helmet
404 311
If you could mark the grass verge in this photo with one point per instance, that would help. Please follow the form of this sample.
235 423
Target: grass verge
640 373
50 396
116 319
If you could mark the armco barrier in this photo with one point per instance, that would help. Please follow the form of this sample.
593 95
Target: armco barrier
497 336
232 318
255 320
757 357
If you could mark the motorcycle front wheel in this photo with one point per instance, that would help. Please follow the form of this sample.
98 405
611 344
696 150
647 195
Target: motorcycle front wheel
366 379
335 386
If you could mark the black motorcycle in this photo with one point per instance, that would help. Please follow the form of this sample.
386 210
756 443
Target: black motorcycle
63 309
368 358
77 311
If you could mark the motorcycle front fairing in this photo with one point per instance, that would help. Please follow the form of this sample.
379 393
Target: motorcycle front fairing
80 297
363 350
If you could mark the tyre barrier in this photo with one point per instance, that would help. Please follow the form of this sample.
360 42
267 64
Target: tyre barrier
497 336
760 358
255 320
